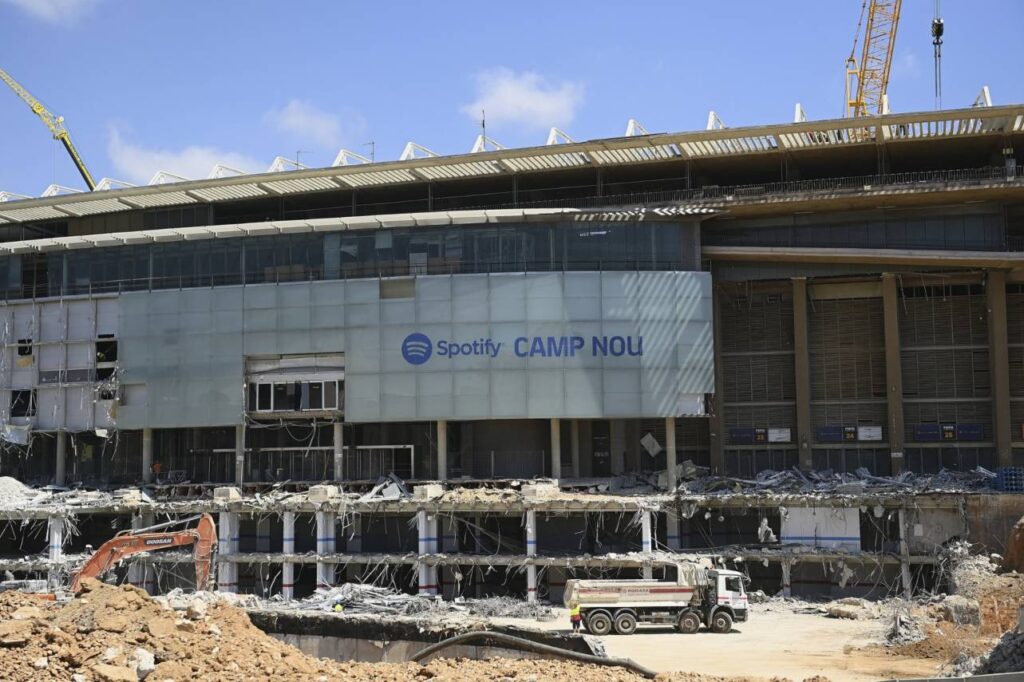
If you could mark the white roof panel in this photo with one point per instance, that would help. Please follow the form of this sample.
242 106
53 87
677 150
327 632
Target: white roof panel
227 192
381 177
22 215
300 185
160 199
98 206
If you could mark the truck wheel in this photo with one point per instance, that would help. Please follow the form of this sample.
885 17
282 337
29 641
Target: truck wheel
721 622
599 623
625 623
689 623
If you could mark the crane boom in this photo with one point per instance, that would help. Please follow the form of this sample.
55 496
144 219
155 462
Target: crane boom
868 80
54 123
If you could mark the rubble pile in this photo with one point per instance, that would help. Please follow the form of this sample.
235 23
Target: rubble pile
357 599
120 634
836 483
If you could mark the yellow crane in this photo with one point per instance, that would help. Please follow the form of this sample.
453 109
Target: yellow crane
54 123
868 79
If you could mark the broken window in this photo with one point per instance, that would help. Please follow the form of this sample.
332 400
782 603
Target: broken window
316 396
24 347
330 395
263 403
23 403
106 348
293 396
105 374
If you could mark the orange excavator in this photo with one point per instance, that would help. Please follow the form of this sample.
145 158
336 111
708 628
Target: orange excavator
127 543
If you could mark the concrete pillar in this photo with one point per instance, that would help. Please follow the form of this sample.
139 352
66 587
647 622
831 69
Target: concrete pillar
893 371
227 544
136 569
426 524
556 448
531 550
61 470
999 359
787 585
617 443
648 543
905 577
55 535
240 454
339 452
326 544
670 452
442 450
147 455
802 371
449 545
574 444
288 547
716 424
672 539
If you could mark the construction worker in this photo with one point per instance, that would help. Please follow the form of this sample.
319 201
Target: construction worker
574 616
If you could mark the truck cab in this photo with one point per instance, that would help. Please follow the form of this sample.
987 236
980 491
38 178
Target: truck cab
726 595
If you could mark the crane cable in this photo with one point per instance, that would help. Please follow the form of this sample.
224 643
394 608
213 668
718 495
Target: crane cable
938 28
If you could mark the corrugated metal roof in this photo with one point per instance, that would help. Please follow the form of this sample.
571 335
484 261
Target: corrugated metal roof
159 199
96 207
300 185
20 215
228 192
382 177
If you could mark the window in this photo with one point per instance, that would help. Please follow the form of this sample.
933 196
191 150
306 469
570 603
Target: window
733 585
24 347
106 348
23 403
293 396
263 402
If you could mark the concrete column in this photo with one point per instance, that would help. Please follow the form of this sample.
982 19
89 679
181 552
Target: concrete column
574 444
802 370
893 371
908 583
240 454
136 568
326 544
716 424
147 455
999 359
556 448
55 535
672 538
648 544
617 444
227 544
442 450
426 524
61 470
449 545
670 452
531 550
288 547
787 585
339 452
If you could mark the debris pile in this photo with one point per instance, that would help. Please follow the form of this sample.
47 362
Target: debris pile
357 599
120 634
837 483
1006 657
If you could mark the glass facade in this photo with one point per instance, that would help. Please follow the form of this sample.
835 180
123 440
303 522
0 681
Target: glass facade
526 247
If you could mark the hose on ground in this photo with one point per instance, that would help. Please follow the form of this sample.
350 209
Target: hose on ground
520 644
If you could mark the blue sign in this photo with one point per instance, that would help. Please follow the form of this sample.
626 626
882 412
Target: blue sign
417 348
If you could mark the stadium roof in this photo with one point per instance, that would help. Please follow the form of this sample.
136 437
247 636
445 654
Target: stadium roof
1002 123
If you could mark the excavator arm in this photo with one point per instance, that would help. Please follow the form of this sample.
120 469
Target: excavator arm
110 553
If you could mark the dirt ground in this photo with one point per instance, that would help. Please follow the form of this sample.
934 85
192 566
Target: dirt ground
773 643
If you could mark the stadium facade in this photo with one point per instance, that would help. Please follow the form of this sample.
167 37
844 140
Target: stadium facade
843 295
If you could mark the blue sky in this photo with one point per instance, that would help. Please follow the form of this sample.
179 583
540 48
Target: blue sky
179 86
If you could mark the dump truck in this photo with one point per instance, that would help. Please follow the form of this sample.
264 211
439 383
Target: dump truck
700 596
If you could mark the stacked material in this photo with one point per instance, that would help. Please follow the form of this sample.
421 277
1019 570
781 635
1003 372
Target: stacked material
837 483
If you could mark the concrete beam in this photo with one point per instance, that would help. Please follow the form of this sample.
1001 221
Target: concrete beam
893 371
802 370
999 359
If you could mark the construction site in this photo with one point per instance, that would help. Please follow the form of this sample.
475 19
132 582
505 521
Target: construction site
387 405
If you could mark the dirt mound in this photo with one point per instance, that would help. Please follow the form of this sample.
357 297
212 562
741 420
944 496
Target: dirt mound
1013 560
121 634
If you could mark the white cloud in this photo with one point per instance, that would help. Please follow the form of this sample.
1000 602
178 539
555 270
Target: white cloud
303 121
54 11
907 64
139 164
526 99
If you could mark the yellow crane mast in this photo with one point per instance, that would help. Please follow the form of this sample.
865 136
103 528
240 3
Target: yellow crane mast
868 80
54 123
